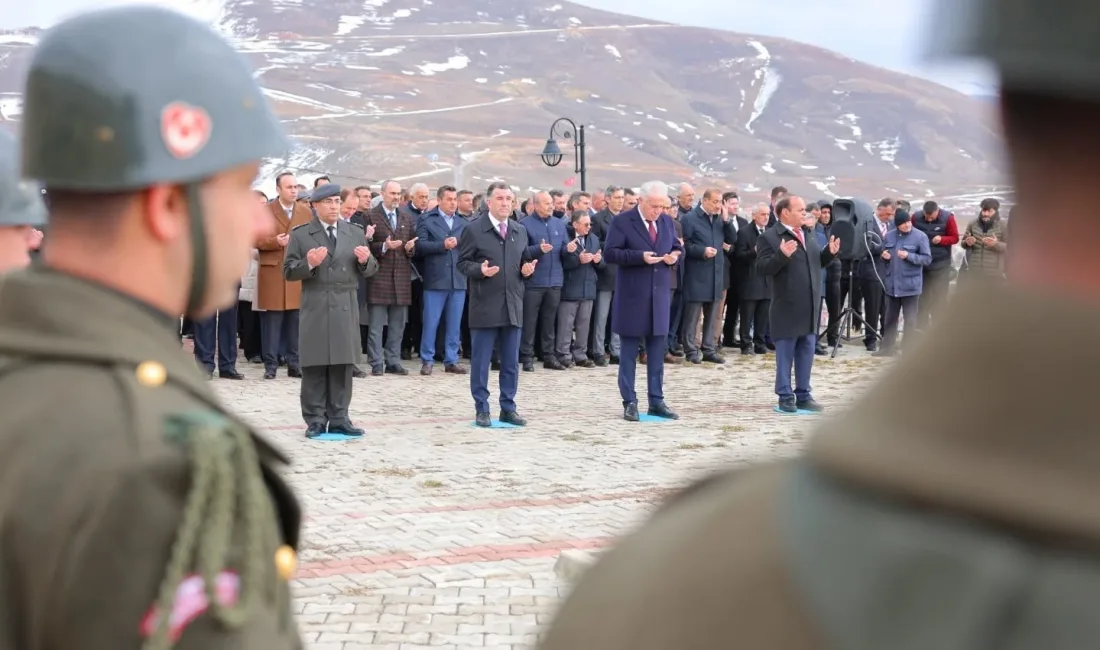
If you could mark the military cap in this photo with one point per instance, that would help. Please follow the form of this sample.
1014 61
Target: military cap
20 201
1048 47
326 191
109 107
305 196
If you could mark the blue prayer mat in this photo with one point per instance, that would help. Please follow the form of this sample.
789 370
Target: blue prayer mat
335 437
497 424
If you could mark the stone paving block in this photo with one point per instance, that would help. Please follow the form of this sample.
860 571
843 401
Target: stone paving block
571 564
430 533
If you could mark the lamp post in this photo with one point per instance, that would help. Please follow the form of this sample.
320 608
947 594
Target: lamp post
552 155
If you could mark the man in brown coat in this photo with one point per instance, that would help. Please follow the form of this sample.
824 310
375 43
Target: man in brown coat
971 525
389 292
278 298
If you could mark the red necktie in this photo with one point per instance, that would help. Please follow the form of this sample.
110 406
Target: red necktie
801 239
504 230
653 232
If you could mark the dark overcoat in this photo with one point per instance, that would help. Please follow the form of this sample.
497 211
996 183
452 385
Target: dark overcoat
605 280
796 280
704 279
495 301
580 279
392 285
362 218
643 291
328 333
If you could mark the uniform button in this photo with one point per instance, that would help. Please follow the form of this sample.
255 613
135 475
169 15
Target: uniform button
286 562
151 373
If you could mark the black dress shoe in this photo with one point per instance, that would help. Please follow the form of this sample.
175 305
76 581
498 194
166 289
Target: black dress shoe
494 365
483 420
676 351
315 430
713 358
661 410
528 366
770 346
358 374
787 406
760 349
256 360
553 364
269 374
601 361
346 430
455 369
377 371
407 354
821 351
397 370
630 412
809 405
696 359
230 374
614 360
587 363
294 372
513 418
746 350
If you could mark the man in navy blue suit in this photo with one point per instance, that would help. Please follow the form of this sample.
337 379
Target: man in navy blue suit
642 242
789 254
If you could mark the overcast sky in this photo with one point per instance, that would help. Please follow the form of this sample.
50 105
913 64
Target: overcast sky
889 33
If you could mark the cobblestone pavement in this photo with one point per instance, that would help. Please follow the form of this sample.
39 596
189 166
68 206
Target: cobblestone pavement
430 532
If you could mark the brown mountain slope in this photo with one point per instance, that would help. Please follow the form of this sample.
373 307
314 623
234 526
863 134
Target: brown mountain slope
418 88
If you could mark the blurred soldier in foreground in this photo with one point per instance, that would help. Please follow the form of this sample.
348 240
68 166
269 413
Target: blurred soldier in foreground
136 512
977 528
22 212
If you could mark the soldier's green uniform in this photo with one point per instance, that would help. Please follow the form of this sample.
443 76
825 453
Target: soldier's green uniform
135 511
954 506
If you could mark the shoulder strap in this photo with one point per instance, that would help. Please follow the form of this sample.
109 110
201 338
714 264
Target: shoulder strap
880 574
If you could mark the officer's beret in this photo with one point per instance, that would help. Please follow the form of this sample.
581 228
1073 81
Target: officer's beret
326 191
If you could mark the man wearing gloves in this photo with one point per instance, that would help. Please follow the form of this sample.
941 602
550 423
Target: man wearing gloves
906 251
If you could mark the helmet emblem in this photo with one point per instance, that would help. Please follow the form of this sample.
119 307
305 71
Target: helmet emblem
185 129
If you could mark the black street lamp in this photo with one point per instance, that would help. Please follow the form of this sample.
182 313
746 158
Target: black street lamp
552 154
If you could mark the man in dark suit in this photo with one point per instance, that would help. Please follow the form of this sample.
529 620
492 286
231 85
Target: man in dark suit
704 241
493 255
437 234
754 290
642 243
390 290
731 204
605 284
790 256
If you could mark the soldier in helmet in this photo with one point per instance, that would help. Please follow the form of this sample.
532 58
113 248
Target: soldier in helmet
970 526
22 212
137 512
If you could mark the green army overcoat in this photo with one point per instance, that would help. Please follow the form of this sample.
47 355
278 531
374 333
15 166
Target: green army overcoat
952 507
328 329
95 476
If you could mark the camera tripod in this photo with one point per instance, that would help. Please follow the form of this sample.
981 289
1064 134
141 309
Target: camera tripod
844 322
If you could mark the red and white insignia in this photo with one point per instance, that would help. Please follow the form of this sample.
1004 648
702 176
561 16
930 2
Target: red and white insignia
191 602
185 129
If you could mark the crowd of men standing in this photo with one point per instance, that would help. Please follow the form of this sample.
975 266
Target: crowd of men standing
415 301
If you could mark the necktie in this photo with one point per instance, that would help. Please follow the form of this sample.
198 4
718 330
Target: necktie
393 222
504 230
653 232
332 236
882 228
801 239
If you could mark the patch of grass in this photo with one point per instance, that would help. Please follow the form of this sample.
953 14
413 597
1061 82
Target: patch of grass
572 437
719 444
690 445
393 471
733 428
432 484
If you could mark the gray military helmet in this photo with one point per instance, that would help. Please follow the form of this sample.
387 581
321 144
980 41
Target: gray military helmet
20 201
1048 47
121 99
124 98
